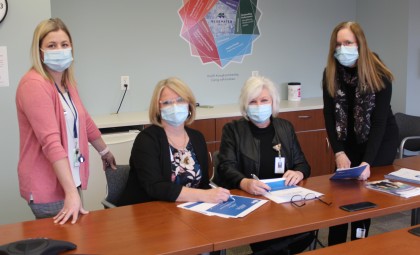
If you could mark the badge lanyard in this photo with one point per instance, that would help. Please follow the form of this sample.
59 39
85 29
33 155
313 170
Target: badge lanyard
279 163
79 156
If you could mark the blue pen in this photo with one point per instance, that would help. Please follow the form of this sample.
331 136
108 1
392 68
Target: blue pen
214 186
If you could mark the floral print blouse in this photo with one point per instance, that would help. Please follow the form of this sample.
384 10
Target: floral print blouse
186 170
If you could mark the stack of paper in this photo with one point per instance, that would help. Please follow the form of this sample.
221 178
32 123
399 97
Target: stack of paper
405 174
395 188
236 207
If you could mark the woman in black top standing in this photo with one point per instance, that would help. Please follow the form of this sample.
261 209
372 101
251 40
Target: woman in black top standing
360 124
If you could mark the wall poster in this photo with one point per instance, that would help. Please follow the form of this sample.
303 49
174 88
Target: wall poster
220 31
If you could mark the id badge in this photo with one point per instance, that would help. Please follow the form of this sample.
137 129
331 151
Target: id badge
360 233
76 157
279 165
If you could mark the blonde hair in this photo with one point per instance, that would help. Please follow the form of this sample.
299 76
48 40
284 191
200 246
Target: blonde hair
370 69
41 31
252 89
178 87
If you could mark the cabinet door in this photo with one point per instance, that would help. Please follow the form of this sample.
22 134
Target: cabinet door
317 150
305 120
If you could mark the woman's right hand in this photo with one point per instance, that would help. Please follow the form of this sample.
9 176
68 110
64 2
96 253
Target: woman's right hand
254 187
341 160
217 195
72 207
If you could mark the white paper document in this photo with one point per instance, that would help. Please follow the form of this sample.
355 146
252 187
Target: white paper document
4 70
280 193
405 174
237 207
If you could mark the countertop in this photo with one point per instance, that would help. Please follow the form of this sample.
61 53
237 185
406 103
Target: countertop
217 111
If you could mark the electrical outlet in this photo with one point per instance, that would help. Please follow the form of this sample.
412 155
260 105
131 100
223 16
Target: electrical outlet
254 73
125 80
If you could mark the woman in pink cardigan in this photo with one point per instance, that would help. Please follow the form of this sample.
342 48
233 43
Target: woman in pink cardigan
54 128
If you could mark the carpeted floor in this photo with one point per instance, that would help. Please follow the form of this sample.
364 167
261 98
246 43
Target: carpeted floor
379 225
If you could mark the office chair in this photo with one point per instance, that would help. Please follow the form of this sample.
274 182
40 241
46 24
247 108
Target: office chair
116 181
409 133
215 162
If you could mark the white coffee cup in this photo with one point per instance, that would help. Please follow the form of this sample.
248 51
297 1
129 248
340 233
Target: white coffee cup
293 89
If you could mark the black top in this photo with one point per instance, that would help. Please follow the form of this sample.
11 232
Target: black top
268 154
150 167
383 125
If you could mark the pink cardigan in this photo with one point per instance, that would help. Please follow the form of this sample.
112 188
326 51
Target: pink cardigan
43 137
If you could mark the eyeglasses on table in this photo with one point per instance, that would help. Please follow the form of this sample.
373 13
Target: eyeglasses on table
299 200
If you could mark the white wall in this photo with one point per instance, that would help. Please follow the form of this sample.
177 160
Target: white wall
15 33
141 39
385 23
413 61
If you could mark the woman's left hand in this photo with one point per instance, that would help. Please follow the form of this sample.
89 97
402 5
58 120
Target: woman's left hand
109 160
366 173
293 177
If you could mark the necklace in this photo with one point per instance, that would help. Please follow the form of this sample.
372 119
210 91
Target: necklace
178 146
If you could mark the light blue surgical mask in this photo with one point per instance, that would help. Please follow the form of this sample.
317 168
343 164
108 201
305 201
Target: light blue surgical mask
259 113
175 114
347 55
58 60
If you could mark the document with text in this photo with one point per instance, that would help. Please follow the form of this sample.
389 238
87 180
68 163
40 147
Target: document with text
236 207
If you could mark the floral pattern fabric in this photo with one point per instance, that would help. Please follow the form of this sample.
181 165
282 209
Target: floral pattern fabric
363 106
186 170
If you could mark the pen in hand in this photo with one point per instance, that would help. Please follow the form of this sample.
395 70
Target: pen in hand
257 179
214 186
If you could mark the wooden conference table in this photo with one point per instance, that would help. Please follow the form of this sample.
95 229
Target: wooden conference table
390 243
142 229
161 227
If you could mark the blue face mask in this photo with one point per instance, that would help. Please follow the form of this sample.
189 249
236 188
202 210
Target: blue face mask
175 114
259 113
58 60
347 55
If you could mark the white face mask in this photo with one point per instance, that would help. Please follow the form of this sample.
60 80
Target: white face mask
58 60
347 55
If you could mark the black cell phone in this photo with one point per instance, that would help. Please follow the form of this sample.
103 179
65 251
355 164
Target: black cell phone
357 206
415 231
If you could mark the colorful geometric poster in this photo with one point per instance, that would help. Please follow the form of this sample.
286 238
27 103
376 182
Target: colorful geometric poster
220 31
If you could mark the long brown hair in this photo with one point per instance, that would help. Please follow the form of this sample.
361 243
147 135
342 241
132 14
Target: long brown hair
370 70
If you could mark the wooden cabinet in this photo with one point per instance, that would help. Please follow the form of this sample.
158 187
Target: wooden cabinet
310 130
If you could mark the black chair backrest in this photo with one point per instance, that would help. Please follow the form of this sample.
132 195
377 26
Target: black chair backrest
216 179
116 182
408 125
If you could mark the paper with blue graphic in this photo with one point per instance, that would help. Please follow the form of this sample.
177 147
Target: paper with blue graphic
239 207
280 193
